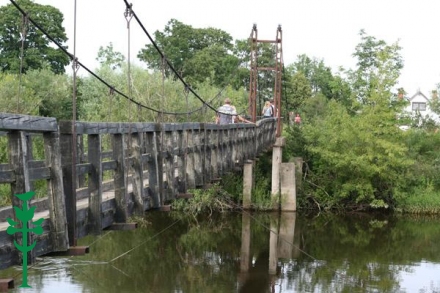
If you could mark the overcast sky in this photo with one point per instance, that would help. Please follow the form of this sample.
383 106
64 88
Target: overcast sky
325 29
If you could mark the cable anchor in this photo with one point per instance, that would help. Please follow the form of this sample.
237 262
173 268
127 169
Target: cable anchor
128 14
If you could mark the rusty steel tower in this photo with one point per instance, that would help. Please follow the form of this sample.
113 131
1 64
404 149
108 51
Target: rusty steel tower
277 70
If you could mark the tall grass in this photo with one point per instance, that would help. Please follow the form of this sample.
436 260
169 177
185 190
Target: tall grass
422 201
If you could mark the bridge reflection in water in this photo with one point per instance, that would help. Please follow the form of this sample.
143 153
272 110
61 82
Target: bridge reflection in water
258 273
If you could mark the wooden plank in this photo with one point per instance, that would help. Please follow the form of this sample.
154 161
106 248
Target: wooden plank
36 164
6 284
7 176
82 169
109 127
39 173
27 123
109 165
95 183
107 155
170 127
57 211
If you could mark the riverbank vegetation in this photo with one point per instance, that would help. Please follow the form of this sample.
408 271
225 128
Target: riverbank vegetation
356 157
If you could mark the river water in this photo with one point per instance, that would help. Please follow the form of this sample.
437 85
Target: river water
250 252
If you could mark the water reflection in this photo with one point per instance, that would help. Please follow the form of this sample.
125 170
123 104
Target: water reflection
259 252
260 276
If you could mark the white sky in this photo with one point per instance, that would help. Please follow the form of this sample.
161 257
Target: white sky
326 29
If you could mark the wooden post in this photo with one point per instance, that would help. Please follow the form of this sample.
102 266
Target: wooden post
169 165
18 158
214 151
30 157
138 173
229 155
207 156
57 207
95 183
220 152
81 178
155 168
225 151
234 143
198 156
120 178
181 162
69 196
190 169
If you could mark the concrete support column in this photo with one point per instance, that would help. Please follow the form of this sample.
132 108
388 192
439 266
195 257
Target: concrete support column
277 154
288 187
298 171
248 183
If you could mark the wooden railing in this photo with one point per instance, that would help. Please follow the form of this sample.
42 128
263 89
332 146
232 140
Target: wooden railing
156 162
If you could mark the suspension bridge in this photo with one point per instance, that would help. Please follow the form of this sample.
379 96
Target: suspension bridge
98 174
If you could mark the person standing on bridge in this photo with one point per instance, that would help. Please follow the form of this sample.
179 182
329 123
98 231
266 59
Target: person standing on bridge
267 110
274 110
226 113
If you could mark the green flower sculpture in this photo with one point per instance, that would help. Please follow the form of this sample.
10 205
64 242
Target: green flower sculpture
25 215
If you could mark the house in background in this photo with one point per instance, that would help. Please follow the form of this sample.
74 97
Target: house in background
419 103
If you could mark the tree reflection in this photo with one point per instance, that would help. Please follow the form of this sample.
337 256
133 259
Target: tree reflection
232 253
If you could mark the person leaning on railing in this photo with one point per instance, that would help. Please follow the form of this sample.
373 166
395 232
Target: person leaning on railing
225 113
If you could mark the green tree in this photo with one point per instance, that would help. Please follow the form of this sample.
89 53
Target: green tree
108 56
38 49
299 90
377 62
53 90
322 80
16 98
195 53
358 159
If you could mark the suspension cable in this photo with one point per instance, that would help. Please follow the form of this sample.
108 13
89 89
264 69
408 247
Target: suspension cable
169 63
128 14
78 63
25 21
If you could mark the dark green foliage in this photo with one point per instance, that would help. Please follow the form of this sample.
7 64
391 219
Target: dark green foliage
196 54
38 49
